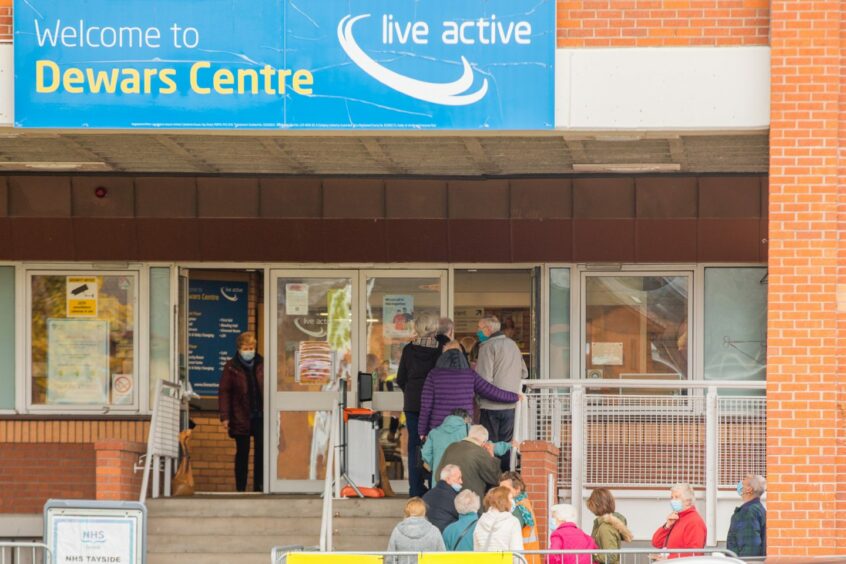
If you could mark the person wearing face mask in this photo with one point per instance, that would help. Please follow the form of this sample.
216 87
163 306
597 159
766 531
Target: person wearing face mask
458 537
747 535
440 500
524 512
684 527
567 535
501 363
241 406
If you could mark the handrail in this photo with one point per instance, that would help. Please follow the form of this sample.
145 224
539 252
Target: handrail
16 546
634 384
328 481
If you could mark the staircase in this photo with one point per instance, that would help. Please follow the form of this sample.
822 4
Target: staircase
244 529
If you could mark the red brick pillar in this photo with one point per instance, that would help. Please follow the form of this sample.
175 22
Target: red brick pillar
116 476
539 459
806 340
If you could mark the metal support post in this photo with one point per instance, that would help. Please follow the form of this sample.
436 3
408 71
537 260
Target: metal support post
577 408
711 464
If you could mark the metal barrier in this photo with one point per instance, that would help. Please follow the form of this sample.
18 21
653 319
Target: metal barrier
280 555
162 440
25 553
649 433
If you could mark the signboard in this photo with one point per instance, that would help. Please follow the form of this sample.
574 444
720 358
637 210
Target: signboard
81 295
95 532
78 361
217 314
296 299
397 316
280 64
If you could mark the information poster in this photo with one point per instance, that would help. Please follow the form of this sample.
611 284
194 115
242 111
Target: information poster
77 361
217 314
296 299
94 540
606 354
397 316
82 296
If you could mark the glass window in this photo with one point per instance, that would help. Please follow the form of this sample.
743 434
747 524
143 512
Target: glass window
735 324
82 339
160 322
636 327
559 323
7 337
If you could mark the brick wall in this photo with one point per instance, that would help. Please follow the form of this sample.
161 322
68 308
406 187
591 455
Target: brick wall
115 471
30 474
807 326
662 23
5 21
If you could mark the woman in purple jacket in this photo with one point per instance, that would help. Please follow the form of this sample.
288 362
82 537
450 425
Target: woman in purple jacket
452 385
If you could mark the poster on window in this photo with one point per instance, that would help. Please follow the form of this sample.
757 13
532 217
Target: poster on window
397 316
77 361
81 296
606 354
296 299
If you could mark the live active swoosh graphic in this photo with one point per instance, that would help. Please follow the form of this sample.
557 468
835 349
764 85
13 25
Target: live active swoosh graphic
444 93
227 296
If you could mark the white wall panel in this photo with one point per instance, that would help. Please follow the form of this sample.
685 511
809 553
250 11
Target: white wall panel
7 84
689 88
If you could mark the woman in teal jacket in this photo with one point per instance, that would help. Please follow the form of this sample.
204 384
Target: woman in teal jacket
453 429
458 536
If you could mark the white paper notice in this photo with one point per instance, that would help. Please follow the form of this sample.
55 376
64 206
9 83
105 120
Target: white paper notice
77 361
94 540
296 299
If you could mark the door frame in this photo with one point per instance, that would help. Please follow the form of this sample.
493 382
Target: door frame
276 400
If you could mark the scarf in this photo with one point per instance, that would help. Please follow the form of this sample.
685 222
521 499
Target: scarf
525 514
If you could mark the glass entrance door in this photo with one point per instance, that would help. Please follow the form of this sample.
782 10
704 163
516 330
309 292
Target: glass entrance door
391 300
313 345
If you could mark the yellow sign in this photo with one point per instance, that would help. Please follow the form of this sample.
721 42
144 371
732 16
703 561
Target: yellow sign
467 558
82 296
320 558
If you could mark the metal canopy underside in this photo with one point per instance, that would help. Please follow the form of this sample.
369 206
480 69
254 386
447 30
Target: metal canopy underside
381 154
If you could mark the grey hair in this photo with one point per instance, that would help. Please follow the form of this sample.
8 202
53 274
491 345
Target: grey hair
758 484
564 513
467 502
478 434
426 324
445 326
686 491
447 471
491 322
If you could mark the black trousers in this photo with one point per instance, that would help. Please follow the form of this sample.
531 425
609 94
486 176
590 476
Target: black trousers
242 458
500 426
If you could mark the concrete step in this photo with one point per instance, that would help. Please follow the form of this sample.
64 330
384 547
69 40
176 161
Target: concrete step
356 526
207 558
235 507
258 526
177 544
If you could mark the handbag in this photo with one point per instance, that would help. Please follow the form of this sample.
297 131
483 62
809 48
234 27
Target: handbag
183 481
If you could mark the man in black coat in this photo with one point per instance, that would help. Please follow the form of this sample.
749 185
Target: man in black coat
440 500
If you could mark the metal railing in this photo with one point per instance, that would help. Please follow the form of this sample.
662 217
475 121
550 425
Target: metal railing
282 555
649 433
25 553
162 440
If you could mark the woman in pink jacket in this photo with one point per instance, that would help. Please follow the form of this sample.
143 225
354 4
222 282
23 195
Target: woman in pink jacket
568 536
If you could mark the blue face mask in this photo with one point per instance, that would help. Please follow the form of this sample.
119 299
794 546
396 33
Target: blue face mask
482 336
457 487
676 505
247 355
740 488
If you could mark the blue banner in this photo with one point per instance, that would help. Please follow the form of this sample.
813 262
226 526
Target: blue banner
217 314
285 64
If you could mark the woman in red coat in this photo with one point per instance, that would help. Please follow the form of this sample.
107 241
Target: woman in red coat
684 527
241 406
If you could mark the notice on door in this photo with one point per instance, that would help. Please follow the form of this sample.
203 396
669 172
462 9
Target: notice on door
217 314
82 296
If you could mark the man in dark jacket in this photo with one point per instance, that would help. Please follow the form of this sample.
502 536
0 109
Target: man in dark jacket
440 500
418 358
474 455
747 535
241 406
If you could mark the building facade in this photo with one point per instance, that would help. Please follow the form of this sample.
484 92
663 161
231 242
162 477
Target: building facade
683 218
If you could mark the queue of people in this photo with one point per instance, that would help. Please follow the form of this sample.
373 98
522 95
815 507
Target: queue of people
508 521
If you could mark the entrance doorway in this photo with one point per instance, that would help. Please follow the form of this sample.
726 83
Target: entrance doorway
215 307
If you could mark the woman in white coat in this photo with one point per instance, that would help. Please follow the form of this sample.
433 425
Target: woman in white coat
498 530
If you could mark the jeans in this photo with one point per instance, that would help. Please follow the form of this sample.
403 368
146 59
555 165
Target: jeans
416 488
242 457
500 426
